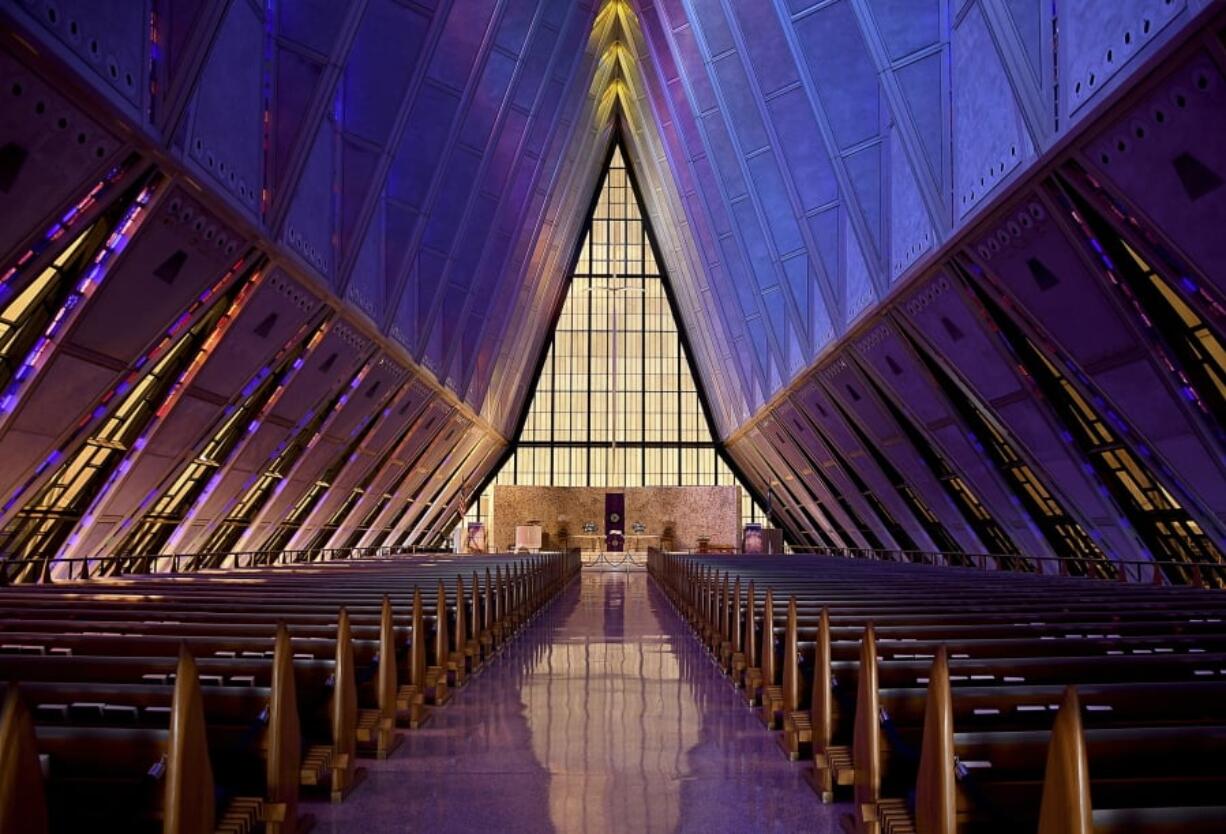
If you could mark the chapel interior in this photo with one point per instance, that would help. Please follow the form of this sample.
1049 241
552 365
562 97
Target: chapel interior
585 416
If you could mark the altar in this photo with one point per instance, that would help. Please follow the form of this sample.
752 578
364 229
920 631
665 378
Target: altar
588 542
594 543
607 519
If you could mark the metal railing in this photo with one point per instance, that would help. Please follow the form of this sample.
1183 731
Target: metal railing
605 560
1157 572
78 568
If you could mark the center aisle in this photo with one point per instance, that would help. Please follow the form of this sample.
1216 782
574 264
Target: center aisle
604 715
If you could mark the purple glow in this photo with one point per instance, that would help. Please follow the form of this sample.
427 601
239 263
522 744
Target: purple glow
144 502
251 385
84 289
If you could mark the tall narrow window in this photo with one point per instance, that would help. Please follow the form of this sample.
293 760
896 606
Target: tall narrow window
1163 523
228 533
926 517
449 442
1067 538
45 522
307 501
420 500
1192 350
329 528
976 515
901 537
23 317
864 530
188 486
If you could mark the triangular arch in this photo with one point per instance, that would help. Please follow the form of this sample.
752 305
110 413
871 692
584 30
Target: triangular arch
616 401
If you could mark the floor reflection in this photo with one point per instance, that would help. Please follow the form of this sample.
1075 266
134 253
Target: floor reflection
604 716
610 715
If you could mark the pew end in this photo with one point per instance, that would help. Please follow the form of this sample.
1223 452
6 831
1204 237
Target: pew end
797 736
377 732
866 738
411 707
437 692
283 758
736 669
344 713
1066 808
23 804
188 803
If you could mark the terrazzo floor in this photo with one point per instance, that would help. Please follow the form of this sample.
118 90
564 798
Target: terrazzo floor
603 716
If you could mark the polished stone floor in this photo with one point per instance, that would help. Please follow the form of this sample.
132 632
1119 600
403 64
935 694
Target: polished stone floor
604 716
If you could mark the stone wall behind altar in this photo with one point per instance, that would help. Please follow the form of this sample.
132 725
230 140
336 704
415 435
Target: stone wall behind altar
684 512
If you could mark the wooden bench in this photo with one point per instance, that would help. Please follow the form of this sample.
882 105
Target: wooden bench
1140 778
119 778
846 667
103 662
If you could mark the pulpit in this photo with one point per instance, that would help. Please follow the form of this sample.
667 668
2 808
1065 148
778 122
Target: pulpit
528 537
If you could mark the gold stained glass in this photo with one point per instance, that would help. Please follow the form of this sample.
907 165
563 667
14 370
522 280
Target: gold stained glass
616 404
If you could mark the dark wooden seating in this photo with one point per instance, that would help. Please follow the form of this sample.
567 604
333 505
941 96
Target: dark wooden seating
115 778
948 700
280 677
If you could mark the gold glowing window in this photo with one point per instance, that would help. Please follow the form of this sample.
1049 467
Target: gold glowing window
616 404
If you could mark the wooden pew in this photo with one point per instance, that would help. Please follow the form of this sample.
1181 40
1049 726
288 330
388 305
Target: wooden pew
416 713
116 638
245 724
23 803
112 779
1017 643
368 726
1046 779
315 682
